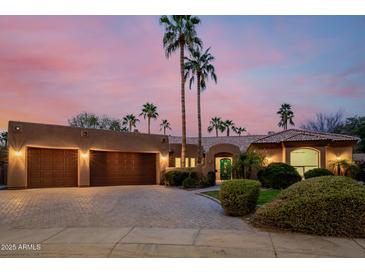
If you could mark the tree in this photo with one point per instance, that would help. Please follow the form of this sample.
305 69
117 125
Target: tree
216 124
149 111
286 115
325 122
239 130
227 125
4 139
84 120
246 162
90 120
165 125
180 34
354 126
198 67
130 121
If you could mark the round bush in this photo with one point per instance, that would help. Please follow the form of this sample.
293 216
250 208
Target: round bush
190 182
317 172
239 197
328 205
279 176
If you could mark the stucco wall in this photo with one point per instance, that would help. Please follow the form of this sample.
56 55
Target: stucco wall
55 136
209 164
175 151
342 152
272 154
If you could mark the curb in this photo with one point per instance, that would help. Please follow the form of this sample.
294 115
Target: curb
209 197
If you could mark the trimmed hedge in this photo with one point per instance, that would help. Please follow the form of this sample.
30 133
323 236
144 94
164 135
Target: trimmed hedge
209 180
317 172
239 197
190 182
278 176
176 177
327 205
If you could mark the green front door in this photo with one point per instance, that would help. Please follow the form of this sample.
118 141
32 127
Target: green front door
226 169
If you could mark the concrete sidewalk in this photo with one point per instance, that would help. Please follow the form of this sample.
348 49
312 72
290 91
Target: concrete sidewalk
163 242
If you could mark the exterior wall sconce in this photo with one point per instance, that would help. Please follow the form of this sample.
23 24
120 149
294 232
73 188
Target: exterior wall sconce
18 153
164 158
84 155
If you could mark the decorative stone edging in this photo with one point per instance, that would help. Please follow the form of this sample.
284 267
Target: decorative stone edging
209 197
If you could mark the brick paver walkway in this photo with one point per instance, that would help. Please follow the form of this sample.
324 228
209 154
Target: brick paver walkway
120 206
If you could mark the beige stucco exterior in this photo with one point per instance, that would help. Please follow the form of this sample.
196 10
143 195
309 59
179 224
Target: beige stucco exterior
328 152
63 137
23 135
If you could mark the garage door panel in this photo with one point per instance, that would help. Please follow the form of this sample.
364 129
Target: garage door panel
122 168
52 167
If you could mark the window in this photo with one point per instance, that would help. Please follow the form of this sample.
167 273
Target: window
186 162
192 162
304 159
177 162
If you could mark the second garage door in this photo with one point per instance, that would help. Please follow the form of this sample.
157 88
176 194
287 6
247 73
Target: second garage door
122 168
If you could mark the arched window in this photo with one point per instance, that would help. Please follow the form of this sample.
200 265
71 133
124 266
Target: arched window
304 159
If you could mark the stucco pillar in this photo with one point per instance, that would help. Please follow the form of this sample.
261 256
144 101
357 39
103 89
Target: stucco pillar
17 167
84 167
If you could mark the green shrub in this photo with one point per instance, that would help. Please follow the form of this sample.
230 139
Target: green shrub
279 176
317 172
239 197
190 182
175 177
327 205
211 178
352 171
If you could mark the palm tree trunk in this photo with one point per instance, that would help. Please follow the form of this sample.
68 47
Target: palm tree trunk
130 126
183 118
227 131
200 151
216 132
164 131
149 125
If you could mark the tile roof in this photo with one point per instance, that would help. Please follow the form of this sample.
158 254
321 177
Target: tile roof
243 142
297 135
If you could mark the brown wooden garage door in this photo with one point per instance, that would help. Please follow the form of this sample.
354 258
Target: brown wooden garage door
122 168
52 167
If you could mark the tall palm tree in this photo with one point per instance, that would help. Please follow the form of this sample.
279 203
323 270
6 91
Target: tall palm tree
131 121
198 67
180 34
227 125
216 124
165 125
286 115
239 130
149 111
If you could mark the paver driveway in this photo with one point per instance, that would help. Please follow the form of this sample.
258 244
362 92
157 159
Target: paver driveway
121 206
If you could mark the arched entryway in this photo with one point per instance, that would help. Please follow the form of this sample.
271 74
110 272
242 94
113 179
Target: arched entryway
304 159
223 166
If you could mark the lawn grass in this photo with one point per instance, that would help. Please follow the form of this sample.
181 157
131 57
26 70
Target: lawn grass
266 195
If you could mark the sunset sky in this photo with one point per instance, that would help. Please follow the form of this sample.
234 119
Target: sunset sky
52 68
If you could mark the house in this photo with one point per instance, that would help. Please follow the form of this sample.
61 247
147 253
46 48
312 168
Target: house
302 149
43 155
